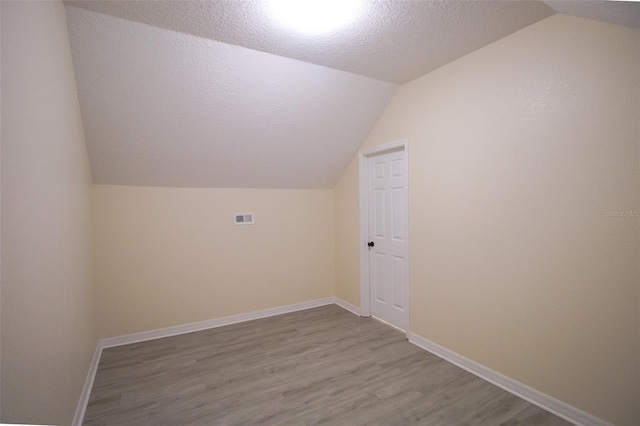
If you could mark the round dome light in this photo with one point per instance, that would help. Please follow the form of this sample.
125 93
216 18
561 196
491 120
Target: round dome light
314 16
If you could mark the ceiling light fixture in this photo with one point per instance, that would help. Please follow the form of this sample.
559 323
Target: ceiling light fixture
312 17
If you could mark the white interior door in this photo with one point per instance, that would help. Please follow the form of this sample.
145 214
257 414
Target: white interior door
388 246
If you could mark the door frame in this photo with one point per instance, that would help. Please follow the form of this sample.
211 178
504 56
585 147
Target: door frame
365 285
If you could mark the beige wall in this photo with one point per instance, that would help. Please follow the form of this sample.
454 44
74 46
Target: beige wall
516 153
48 333
347 243
170 256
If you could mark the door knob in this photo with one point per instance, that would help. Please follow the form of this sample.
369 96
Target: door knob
371 244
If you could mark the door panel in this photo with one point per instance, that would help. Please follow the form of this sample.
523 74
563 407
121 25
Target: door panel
388 274
379 213
397 214
398 282
379 279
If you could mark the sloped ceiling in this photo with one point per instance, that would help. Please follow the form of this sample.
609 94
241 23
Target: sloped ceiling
394 41
626 13
164 108
216 94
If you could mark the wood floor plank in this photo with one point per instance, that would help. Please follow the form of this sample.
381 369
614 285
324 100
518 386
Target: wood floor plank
319 366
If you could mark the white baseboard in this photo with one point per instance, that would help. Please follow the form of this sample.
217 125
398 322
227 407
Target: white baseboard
176 330
544 401
213 323
88 384
348 306
523 391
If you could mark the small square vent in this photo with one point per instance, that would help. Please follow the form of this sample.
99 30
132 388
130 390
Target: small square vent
243 218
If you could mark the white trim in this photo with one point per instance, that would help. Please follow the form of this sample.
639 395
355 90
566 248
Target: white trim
213 323
542 400
400 145
348 306
78 418
365 291
182 329
365 294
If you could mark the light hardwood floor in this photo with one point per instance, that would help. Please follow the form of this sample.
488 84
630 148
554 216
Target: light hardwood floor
319 366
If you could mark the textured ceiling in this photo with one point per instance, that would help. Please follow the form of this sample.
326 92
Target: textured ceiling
163 108
215 94
394 41
625 13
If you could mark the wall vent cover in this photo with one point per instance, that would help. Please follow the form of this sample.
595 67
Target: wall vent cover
243 218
